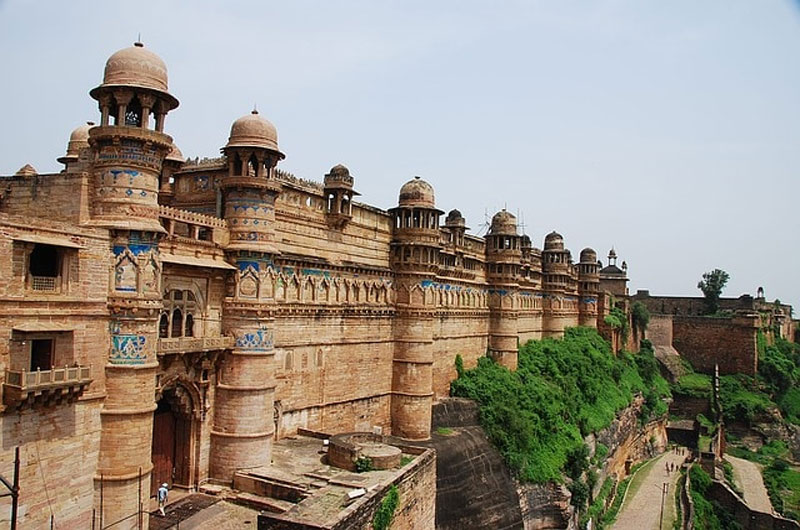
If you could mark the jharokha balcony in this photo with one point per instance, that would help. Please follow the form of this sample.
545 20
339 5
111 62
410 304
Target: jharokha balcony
45 387
193 344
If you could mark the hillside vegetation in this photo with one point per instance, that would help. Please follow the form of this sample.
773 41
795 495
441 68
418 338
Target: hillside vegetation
743 398
562 390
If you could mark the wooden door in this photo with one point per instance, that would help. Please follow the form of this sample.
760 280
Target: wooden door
163 448
182 460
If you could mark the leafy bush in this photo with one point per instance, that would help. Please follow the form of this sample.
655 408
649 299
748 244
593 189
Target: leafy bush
385 512
363 464
580 494
600 453
562 390
741 398
595 510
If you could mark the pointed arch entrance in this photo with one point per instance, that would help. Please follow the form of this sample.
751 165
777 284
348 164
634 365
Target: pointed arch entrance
173 447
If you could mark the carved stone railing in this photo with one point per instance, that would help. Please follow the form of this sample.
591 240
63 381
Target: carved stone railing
192 218
193 344
45 387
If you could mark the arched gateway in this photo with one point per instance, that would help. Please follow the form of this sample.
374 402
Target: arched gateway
173 438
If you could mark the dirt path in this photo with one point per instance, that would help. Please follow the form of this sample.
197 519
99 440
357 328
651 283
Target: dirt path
748 477
642 506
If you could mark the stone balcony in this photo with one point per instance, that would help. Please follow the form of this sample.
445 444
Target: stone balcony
182 345
45 387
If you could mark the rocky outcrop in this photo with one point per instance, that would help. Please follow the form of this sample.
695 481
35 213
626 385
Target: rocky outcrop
546 507
474 488
629 442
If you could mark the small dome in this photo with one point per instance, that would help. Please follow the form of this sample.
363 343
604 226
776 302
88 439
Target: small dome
175 155
588 255
554 241
612 253
339 177
454 218
78 140
503 223
526 241
136 66
417 193
251 130
26 171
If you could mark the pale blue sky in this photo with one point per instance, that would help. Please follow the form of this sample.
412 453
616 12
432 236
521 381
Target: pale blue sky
670 130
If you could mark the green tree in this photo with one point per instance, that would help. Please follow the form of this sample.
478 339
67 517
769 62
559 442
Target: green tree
712 284
640 317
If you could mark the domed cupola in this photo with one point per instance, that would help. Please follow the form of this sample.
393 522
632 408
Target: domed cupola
78 141
127 141
503 246
250 188
254 131
556 264
252 147
339 194
416 227
554 241
417 193
134 86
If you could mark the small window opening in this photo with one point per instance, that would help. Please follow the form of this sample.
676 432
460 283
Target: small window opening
163 326
189 326
177 322
44 261
133 114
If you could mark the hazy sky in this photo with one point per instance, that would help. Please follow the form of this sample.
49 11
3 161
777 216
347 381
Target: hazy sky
670 130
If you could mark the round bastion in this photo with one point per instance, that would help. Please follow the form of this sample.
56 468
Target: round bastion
345 449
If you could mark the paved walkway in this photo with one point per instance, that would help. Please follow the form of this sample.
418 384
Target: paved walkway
642 508
748 477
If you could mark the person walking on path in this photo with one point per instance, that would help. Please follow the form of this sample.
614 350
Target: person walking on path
163 493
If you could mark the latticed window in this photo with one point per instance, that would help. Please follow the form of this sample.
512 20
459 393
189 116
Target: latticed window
177 320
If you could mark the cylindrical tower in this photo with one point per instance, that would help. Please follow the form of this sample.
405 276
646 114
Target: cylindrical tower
588 287
243 420
127 157
415 258
504 263
557 280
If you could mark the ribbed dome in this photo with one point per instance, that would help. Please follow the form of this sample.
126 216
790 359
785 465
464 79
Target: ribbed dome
78 140
588 255
554 241
251 130
136 66
503 223
175 155
417 193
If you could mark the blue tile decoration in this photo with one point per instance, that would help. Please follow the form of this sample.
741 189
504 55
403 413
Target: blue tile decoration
260 340
243 265
128 349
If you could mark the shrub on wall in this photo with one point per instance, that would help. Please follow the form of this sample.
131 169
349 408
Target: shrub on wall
385 512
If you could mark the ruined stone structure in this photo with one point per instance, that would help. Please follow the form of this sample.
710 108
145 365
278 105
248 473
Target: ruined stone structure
164 320
728 340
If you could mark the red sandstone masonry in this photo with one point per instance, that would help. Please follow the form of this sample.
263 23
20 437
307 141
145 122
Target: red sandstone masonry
729 342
